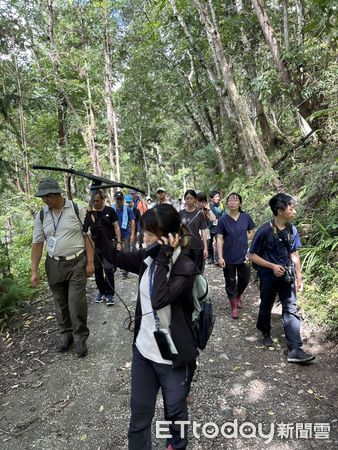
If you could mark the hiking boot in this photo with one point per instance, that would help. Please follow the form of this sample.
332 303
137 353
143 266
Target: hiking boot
110 300
297 355
266 340
65 343
99 298
234 308
81 349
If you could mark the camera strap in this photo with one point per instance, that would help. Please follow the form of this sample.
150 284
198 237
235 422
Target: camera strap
279 237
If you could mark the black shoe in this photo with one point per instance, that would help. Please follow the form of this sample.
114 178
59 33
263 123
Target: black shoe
266 340
297 355
65 343
81 349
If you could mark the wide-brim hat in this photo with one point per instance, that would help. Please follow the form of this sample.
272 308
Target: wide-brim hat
47 186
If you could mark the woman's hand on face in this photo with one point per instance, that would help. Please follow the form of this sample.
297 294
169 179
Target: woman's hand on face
171 240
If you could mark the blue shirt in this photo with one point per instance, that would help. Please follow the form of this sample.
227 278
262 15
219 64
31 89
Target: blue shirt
275 247
125 232
235 238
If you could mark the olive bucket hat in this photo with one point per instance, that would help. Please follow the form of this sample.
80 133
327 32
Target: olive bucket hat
48 185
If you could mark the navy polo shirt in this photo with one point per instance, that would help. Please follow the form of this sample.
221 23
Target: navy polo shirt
274 247
235 238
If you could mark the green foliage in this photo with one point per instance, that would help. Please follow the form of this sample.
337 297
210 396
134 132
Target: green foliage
12 294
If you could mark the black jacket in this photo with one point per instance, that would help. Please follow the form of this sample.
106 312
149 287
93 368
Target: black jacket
175 291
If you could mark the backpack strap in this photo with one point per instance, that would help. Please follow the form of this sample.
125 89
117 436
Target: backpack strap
42 215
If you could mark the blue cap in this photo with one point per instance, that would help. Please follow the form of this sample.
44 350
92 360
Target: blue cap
128 198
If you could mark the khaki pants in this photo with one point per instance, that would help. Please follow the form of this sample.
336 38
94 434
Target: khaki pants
67 281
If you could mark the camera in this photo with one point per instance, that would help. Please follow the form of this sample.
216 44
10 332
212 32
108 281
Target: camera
289 274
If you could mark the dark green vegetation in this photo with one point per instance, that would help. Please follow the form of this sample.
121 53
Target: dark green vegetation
237 95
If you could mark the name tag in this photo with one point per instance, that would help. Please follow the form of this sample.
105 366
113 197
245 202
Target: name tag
51 244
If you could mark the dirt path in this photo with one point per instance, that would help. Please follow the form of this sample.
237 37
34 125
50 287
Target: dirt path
53 401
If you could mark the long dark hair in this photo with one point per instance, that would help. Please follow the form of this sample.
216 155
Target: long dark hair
164 219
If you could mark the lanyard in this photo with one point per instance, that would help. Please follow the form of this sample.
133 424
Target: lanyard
152 271
57 223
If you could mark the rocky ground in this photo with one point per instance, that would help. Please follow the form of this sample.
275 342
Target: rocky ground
250 396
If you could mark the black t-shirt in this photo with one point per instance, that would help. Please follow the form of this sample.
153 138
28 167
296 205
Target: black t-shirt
195 221
101 225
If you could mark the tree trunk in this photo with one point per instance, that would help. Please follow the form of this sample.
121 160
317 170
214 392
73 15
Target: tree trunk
285 5
303 105
22 128
145 161
113 148
209 138
299 23
208 19
250 66
87 134
91 127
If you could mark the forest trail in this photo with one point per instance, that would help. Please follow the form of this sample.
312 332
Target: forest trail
53 401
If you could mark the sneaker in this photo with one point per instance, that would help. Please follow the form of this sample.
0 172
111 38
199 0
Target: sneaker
297 355
81 349
99 298
65 343
110 300
266 340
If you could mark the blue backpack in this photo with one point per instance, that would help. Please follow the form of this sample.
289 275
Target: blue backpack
203 320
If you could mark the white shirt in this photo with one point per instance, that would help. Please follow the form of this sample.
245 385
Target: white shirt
145 341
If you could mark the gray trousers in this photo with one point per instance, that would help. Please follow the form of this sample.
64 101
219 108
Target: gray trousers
67 281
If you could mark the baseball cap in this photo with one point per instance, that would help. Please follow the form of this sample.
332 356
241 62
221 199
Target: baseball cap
118 194
128 198
161 189
48 185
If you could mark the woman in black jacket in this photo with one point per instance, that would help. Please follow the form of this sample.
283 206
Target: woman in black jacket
164 351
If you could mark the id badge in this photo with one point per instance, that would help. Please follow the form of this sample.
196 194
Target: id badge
215 222
51 244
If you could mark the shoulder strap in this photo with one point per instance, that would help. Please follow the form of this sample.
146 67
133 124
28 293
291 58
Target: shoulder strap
42 215
76 210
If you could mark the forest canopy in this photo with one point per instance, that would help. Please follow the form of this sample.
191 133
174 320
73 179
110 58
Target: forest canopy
203 94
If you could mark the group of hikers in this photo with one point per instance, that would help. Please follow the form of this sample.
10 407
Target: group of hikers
166 244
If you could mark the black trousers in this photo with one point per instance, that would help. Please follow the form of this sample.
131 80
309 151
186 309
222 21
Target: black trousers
104 276
147 377
212 254
269 288
237 277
